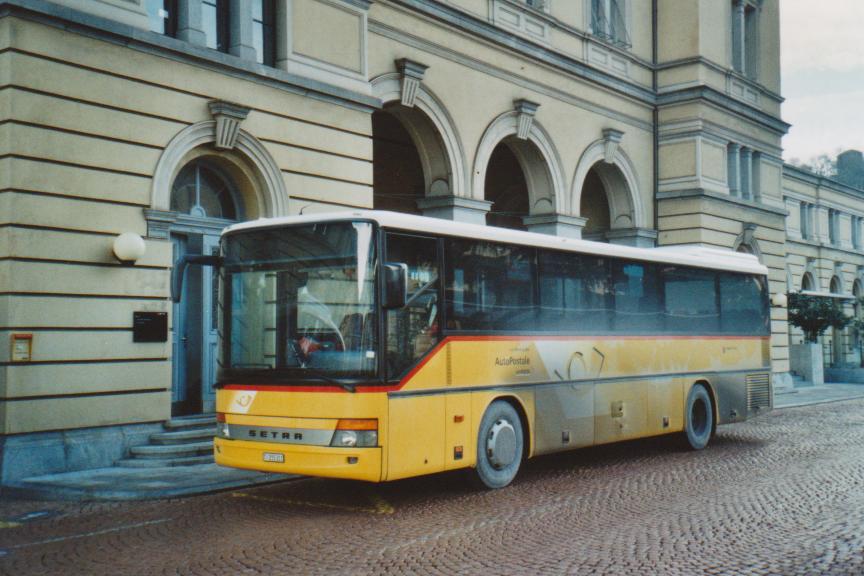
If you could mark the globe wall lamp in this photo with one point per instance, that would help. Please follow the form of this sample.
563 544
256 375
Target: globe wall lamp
779 300
129 248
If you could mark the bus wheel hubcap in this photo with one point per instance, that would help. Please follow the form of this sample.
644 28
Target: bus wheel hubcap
501 444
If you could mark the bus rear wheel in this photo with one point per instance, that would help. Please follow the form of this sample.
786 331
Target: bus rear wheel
698 418
499 446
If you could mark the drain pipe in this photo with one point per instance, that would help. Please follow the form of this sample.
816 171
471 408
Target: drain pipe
656 114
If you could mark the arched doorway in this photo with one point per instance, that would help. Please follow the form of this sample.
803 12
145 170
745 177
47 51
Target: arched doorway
206 197
506 189
606 202
807 282
517 170
398 180
594 207
416 152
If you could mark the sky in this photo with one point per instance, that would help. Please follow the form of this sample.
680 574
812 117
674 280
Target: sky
822 59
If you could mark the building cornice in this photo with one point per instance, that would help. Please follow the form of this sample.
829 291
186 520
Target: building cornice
708 63
739 202
808 177
727 103
46 12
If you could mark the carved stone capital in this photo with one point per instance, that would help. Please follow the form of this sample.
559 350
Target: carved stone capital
611 139
412 74
228 118
526 110
159 223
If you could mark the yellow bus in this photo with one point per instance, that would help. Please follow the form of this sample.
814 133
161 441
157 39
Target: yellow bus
378 346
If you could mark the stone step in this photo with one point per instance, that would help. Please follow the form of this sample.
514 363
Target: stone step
190 422
164 462
183 436
171 450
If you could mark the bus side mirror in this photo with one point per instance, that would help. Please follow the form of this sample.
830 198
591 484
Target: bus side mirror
179 271
395 285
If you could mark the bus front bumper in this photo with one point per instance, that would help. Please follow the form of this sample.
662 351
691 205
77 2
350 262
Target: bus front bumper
323 461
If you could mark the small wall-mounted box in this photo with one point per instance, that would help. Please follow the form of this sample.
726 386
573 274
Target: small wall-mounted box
21 347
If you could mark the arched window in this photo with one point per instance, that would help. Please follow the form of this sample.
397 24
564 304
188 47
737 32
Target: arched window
807 282
835 285
204 191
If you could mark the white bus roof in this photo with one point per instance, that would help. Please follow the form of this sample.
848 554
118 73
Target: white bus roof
686 255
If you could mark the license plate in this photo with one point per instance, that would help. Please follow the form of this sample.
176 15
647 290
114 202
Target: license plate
274 457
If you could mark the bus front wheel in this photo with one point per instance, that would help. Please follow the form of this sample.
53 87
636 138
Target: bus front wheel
698 418
499 446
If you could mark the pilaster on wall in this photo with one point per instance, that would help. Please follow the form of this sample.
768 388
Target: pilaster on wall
845 231
823 225
793 219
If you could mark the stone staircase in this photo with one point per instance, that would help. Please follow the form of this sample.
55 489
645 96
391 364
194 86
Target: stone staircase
184 442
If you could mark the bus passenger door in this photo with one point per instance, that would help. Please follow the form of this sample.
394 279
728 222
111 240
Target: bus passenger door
416 431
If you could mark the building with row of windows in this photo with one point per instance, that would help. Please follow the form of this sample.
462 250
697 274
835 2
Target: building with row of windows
825 252
624 121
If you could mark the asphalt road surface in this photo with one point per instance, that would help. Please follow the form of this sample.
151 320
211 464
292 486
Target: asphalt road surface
782 494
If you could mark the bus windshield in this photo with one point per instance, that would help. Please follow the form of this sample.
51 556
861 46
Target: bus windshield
300 301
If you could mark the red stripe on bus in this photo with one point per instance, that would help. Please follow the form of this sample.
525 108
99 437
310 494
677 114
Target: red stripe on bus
606 337
434 352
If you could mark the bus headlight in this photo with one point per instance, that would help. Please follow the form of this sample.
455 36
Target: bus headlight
355 433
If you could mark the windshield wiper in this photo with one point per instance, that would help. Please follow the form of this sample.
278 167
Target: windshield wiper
315 374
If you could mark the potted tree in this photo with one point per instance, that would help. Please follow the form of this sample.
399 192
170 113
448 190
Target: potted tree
814 315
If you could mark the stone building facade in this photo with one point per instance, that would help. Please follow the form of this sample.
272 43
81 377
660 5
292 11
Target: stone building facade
825 253
640 122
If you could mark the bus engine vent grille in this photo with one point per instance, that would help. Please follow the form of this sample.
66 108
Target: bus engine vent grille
758 391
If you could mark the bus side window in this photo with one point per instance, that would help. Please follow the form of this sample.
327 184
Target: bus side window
490 286
741 304
637 297
575 293
690 296
414 329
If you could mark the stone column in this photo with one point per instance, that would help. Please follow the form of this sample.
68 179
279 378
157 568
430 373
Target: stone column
189 26
746 173
240 37
556 225
738 38
734 169
756 176
455 208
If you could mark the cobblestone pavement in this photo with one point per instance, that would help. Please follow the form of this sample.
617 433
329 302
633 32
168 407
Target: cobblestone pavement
783 494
